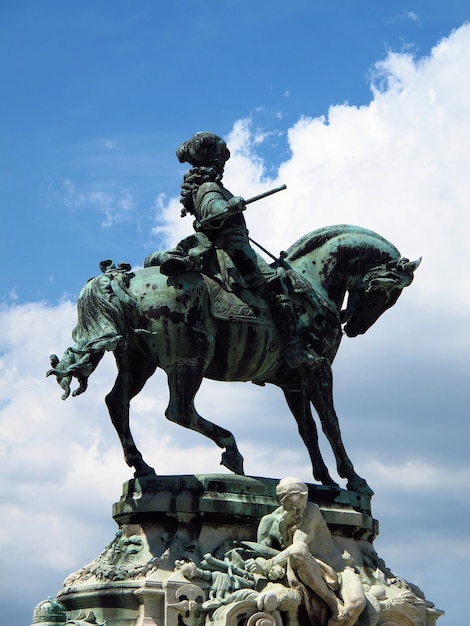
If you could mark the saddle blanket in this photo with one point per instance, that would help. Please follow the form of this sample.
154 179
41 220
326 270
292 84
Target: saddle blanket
226 305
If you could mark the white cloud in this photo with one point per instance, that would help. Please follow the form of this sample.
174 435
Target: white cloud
116 205
408 16
110 144
418 475
398 166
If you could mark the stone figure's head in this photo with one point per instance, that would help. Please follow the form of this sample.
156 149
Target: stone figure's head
292 494
204 149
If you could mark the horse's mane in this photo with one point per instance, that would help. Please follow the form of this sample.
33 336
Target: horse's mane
317 238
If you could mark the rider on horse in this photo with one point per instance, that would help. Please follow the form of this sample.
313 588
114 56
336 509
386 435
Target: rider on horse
204 196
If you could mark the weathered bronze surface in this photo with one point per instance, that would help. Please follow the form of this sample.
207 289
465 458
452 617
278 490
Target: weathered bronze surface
214 308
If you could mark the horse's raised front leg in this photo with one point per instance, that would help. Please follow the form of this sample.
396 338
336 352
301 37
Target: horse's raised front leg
321 395
299 405
129 382
184 380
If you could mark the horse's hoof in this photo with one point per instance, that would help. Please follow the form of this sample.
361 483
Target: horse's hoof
145 472
327 481
360 486
233 461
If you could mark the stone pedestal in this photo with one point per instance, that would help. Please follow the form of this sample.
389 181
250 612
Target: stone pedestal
165 522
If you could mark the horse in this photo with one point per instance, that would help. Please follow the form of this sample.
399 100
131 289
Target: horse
150 320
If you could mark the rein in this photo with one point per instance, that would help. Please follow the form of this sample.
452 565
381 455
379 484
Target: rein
333 311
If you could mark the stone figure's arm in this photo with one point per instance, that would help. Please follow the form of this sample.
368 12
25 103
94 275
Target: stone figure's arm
264 534
265 567
284 555
303 537
274 568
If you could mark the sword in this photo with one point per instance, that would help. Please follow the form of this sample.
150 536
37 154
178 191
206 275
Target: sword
265 194
218 216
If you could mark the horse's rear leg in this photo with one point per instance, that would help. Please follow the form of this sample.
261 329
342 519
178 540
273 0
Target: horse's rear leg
299 405
321 395
184 380
129 382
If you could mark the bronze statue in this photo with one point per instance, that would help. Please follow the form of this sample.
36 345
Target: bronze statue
238 320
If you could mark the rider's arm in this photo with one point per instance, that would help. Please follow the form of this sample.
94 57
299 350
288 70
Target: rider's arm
212 200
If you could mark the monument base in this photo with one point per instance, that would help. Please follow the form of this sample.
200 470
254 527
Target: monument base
171 562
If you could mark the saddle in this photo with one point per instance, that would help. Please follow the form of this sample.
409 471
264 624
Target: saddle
230 296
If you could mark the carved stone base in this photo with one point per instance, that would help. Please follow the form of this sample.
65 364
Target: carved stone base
168 563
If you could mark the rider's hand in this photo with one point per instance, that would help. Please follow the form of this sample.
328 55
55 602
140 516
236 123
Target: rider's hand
235 205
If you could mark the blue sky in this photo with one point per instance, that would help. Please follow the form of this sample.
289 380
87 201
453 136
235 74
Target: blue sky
363 110
99 94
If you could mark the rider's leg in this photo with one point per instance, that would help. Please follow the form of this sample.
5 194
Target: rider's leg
295 353
270 283
188 256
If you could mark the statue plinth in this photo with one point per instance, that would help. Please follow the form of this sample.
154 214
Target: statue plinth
216 498
150 574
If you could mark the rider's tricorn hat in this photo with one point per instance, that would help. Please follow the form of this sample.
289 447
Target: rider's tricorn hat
202 148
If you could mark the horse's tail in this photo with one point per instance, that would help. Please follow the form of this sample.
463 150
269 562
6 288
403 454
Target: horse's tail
103 324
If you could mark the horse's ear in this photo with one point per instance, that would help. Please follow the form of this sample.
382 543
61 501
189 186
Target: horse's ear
392 275
410 266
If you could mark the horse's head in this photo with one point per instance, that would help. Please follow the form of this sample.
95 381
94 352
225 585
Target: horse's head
375 292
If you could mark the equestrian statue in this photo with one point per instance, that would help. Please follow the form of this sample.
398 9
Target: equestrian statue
213 308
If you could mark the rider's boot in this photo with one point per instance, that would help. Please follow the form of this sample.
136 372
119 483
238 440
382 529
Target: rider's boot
188 256
171 262
176 262
294 352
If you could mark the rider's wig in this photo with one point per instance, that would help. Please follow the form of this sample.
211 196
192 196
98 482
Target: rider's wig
207 153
